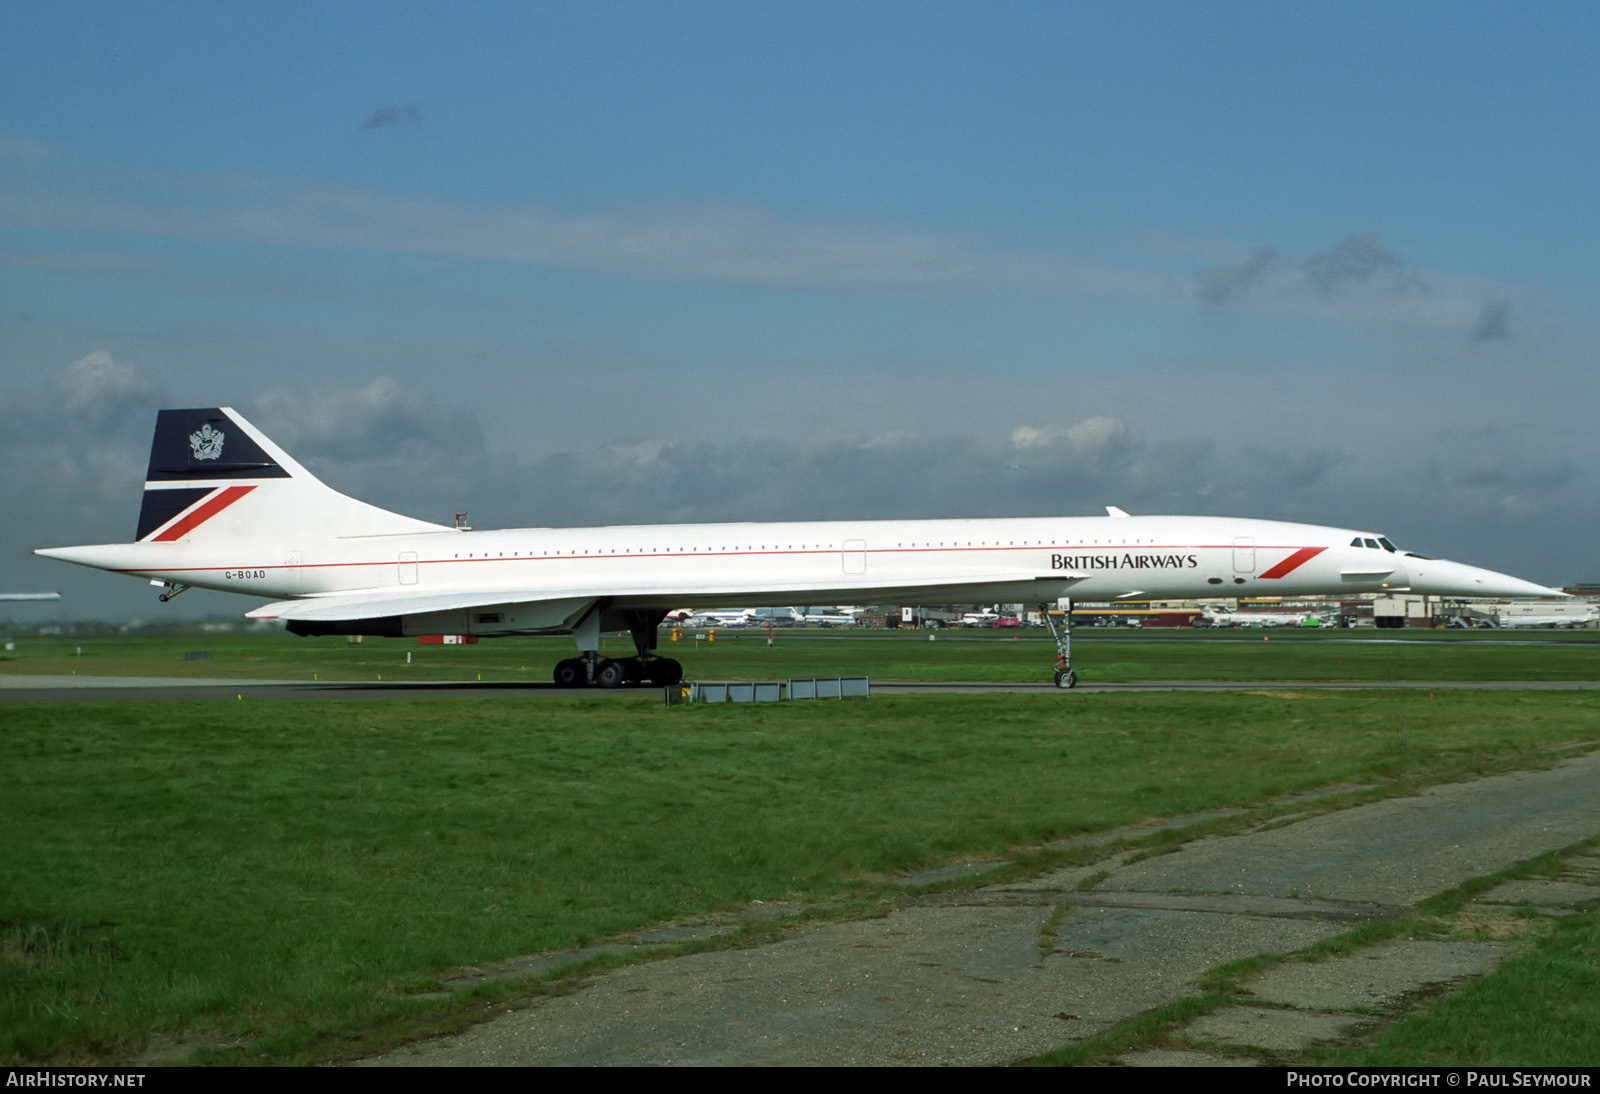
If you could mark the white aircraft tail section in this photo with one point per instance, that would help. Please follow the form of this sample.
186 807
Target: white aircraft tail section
213 475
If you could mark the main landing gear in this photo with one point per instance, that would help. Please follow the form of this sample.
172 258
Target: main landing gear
1064 677
592 670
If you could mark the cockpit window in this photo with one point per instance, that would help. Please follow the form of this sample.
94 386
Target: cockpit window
1387 546
1370 543
1356 542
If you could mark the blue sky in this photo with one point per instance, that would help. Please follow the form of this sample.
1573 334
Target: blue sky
572 263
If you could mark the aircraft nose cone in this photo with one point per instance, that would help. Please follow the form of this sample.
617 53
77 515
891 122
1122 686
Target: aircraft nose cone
1444 578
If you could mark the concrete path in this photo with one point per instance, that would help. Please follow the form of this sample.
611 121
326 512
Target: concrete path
995 975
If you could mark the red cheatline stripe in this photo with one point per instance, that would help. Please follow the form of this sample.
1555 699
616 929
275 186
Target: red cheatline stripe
1294 561
203 512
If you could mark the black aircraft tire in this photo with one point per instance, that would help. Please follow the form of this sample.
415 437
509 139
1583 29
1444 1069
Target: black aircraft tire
611 674
569 673
667 672
1066 678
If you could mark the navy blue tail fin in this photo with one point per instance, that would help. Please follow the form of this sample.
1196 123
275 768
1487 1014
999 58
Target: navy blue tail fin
206 444
214 474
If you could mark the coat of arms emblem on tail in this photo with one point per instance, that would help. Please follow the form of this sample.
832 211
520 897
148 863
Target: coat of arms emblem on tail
206 442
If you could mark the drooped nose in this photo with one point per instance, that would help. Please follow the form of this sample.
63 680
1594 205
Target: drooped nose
1441 577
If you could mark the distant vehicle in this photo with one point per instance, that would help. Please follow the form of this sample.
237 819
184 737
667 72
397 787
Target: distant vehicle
926 618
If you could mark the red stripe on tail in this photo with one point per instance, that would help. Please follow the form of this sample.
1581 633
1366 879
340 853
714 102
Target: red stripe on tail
203 512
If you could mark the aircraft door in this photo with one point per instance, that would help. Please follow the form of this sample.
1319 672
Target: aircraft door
855 556
1244 555
408 567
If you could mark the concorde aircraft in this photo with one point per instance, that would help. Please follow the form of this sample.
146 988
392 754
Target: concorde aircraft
226 508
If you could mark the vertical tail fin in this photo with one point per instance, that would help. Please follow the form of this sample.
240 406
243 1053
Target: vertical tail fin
200 464
212 474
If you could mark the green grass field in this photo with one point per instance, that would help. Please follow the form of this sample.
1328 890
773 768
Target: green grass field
1536 1010
284 879
1099 655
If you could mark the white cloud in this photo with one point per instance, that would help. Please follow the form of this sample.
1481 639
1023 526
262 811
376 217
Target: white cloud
1092 435
98 389
74 467
73 261
383 442
1356 281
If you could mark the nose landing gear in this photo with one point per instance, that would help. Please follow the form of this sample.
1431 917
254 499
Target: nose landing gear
1064 676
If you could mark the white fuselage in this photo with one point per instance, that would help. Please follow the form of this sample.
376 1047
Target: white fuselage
928 561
